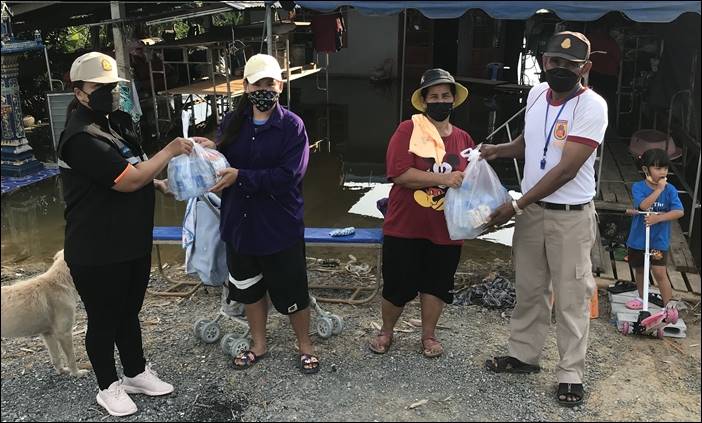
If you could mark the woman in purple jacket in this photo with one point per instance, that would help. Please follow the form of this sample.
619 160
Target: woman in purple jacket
262 209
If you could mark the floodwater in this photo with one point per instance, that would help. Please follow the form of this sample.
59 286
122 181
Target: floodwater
343 181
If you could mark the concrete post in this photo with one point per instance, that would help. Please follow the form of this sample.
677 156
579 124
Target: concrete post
269 27
118 11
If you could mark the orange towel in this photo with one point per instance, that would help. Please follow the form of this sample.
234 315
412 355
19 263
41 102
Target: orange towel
425 140
594 305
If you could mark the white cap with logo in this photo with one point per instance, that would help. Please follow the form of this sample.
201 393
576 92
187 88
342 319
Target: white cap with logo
261 66
95 67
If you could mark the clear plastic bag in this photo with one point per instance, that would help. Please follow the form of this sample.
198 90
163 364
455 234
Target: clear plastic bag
194 174
468 208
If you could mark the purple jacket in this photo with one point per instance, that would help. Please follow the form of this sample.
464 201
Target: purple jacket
262 212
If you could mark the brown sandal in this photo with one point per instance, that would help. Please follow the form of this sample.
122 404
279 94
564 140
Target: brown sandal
432 347
381 343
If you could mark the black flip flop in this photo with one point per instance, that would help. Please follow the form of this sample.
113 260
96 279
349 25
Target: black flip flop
656 299
573 389
249 358
622 286
306 359
507 364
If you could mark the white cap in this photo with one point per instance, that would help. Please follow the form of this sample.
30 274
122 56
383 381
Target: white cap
95 67
262 66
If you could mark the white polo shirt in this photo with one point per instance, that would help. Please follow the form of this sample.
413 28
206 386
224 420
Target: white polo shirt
582 119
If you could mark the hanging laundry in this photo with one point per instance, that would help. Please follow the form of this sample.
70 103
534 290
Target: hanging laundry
329 32
340 32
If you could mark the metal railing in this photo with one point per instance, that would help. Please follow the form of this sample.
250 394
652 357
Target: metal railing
509 136
686 121
505 125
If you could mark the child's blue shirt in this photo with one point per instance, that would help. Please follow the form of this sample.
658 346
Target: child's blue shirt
660 232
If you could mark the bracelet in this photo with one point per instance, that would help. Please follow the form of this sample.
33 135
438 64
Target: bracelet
516 208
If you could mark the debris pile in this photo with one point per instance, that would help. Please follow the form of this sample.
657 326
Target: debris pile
495 293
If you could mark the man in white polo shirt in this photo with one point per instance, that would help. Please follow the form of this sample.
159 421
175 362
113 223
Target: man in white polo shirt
555 224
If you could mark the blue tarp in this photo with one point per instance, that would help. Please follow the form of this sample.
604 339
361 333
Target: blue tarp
639 11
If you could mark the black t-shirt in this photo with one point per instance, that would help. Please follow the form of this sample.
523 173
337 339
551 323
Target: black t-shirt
103 226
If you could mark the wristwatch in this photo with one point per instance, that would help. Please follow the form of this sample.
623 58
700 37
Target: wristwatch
516 208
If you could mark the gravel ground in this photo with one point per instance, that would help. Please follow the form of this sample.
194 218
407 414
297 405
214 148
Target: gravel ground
355 385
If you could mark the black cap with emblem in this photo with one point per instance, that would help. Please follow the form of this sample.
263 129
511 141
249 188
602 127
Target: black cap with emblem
572 46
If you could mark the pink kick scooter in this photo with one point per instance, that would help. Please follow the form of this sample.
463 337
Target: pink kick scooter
647 323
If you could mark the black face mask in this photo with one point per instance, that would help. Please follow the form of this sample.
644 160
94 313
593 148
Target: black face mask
439 111
104 100
561 80
264 100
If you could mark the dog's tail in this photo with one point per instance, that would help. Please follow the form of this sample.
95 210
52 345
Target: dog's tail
58 255
61 273
59 265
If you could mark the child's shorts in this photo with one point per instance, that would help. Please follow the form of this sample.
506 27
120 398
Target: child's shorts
658 258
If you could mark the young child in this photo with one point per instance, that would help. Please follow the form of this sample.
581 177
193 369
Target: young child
653 194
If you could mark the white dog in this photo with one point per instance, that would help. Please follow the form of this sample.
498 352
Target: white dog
44 305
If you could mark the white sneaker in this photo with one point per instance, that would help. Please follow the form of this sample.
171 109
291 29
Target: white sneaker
146 382
116 401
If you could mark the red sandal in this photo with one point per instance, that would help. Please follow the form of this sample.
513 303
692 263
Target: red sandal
431 347
381 343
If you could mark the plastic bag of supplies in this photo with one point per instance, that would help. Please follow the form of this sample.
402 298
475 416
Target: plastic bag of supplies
191 175
468 208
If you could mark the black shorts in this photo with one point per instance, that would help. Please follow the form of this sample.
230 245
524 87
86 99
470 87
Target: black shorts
284 278
412 266
636 258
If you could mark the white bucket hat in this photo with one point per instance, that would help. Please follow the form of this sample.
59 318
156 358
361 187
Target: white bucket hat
95 67
262 66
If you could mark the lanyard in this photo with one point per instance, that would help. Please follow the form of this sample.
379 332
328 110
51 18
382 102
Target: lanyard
548 136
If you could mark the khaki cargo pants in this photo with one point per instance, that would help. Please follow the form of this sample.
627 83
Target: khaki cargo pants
551 253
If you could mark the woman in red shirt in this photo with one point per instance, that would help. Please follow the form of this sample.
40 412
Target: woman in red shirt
423 160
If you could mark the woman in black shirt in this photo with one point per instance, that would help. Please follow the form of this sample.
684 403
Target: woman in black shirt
109 196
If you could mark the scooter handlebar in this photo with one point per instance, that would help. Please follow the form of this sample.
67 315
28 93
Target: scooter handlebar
633 212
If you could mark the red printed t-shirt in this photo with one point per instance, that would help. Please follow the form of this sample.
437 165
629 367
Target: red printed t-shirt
419 213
